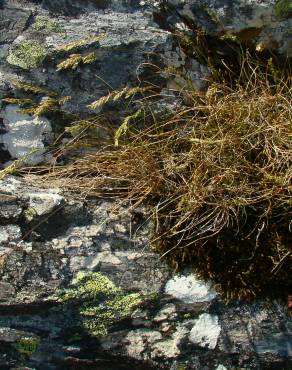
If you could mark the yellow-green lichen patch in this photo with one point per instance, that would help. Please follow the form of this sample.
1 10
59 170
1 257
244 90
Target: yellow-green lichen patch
283 9
27 54
47 25
101 302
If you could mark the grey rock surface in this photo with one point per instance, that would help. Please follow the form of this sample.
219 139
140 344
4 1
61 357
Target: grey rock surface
47 236
264 24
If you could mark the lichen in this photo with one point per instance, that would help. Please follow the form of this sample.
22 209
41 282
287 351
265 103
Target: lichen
283 9
27 54
48 25
101 302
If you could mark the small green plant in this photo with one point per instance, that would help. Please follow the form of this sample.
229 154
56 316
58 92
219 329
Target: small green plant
14 166
27 54
75 60
80 126
101 303
47 24
122 130
30 214
11 169
28 345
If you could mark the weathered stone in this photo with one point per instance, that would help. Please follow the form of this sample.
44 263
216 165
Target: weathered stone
190 289
25 136
13 20
206 331
265 24
47 236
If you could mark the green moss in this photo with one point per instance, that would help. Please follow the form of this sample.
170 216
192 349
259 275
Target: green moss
27 54
30 213
48 25
101 302
28 345
283 9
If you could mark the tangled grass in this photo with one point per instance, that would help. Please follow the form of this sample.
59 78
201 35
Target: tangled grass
216 175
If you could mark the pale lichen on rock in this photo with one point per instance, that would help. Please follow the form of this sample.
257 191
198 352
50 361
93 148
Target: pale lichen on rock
27 54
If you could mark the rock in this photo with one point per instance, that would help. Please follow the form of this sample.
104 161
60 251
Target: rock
9 233
221 367
265 24
48 237
206 331
25 136
190 289
13 20
178 315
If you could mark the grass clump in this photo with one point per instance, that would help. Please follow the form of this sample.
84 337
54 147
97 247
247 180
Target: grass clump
216 175
28 54
101 303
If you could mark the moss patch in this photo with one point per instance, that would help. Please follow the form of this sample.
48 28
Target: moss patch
101 302
283 9
27 346
27 54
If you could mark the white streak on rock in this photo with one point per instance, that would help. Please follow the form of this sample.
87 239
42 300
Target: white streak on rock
25 135
206 331
190 289
221 367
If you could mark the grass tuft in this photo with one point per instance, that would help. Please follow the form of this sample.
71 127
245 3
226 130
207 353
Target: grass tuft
216 175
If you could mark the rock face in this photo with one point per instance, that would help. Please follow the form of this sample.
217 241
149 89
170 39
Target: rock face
25 135
264 24
49 237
